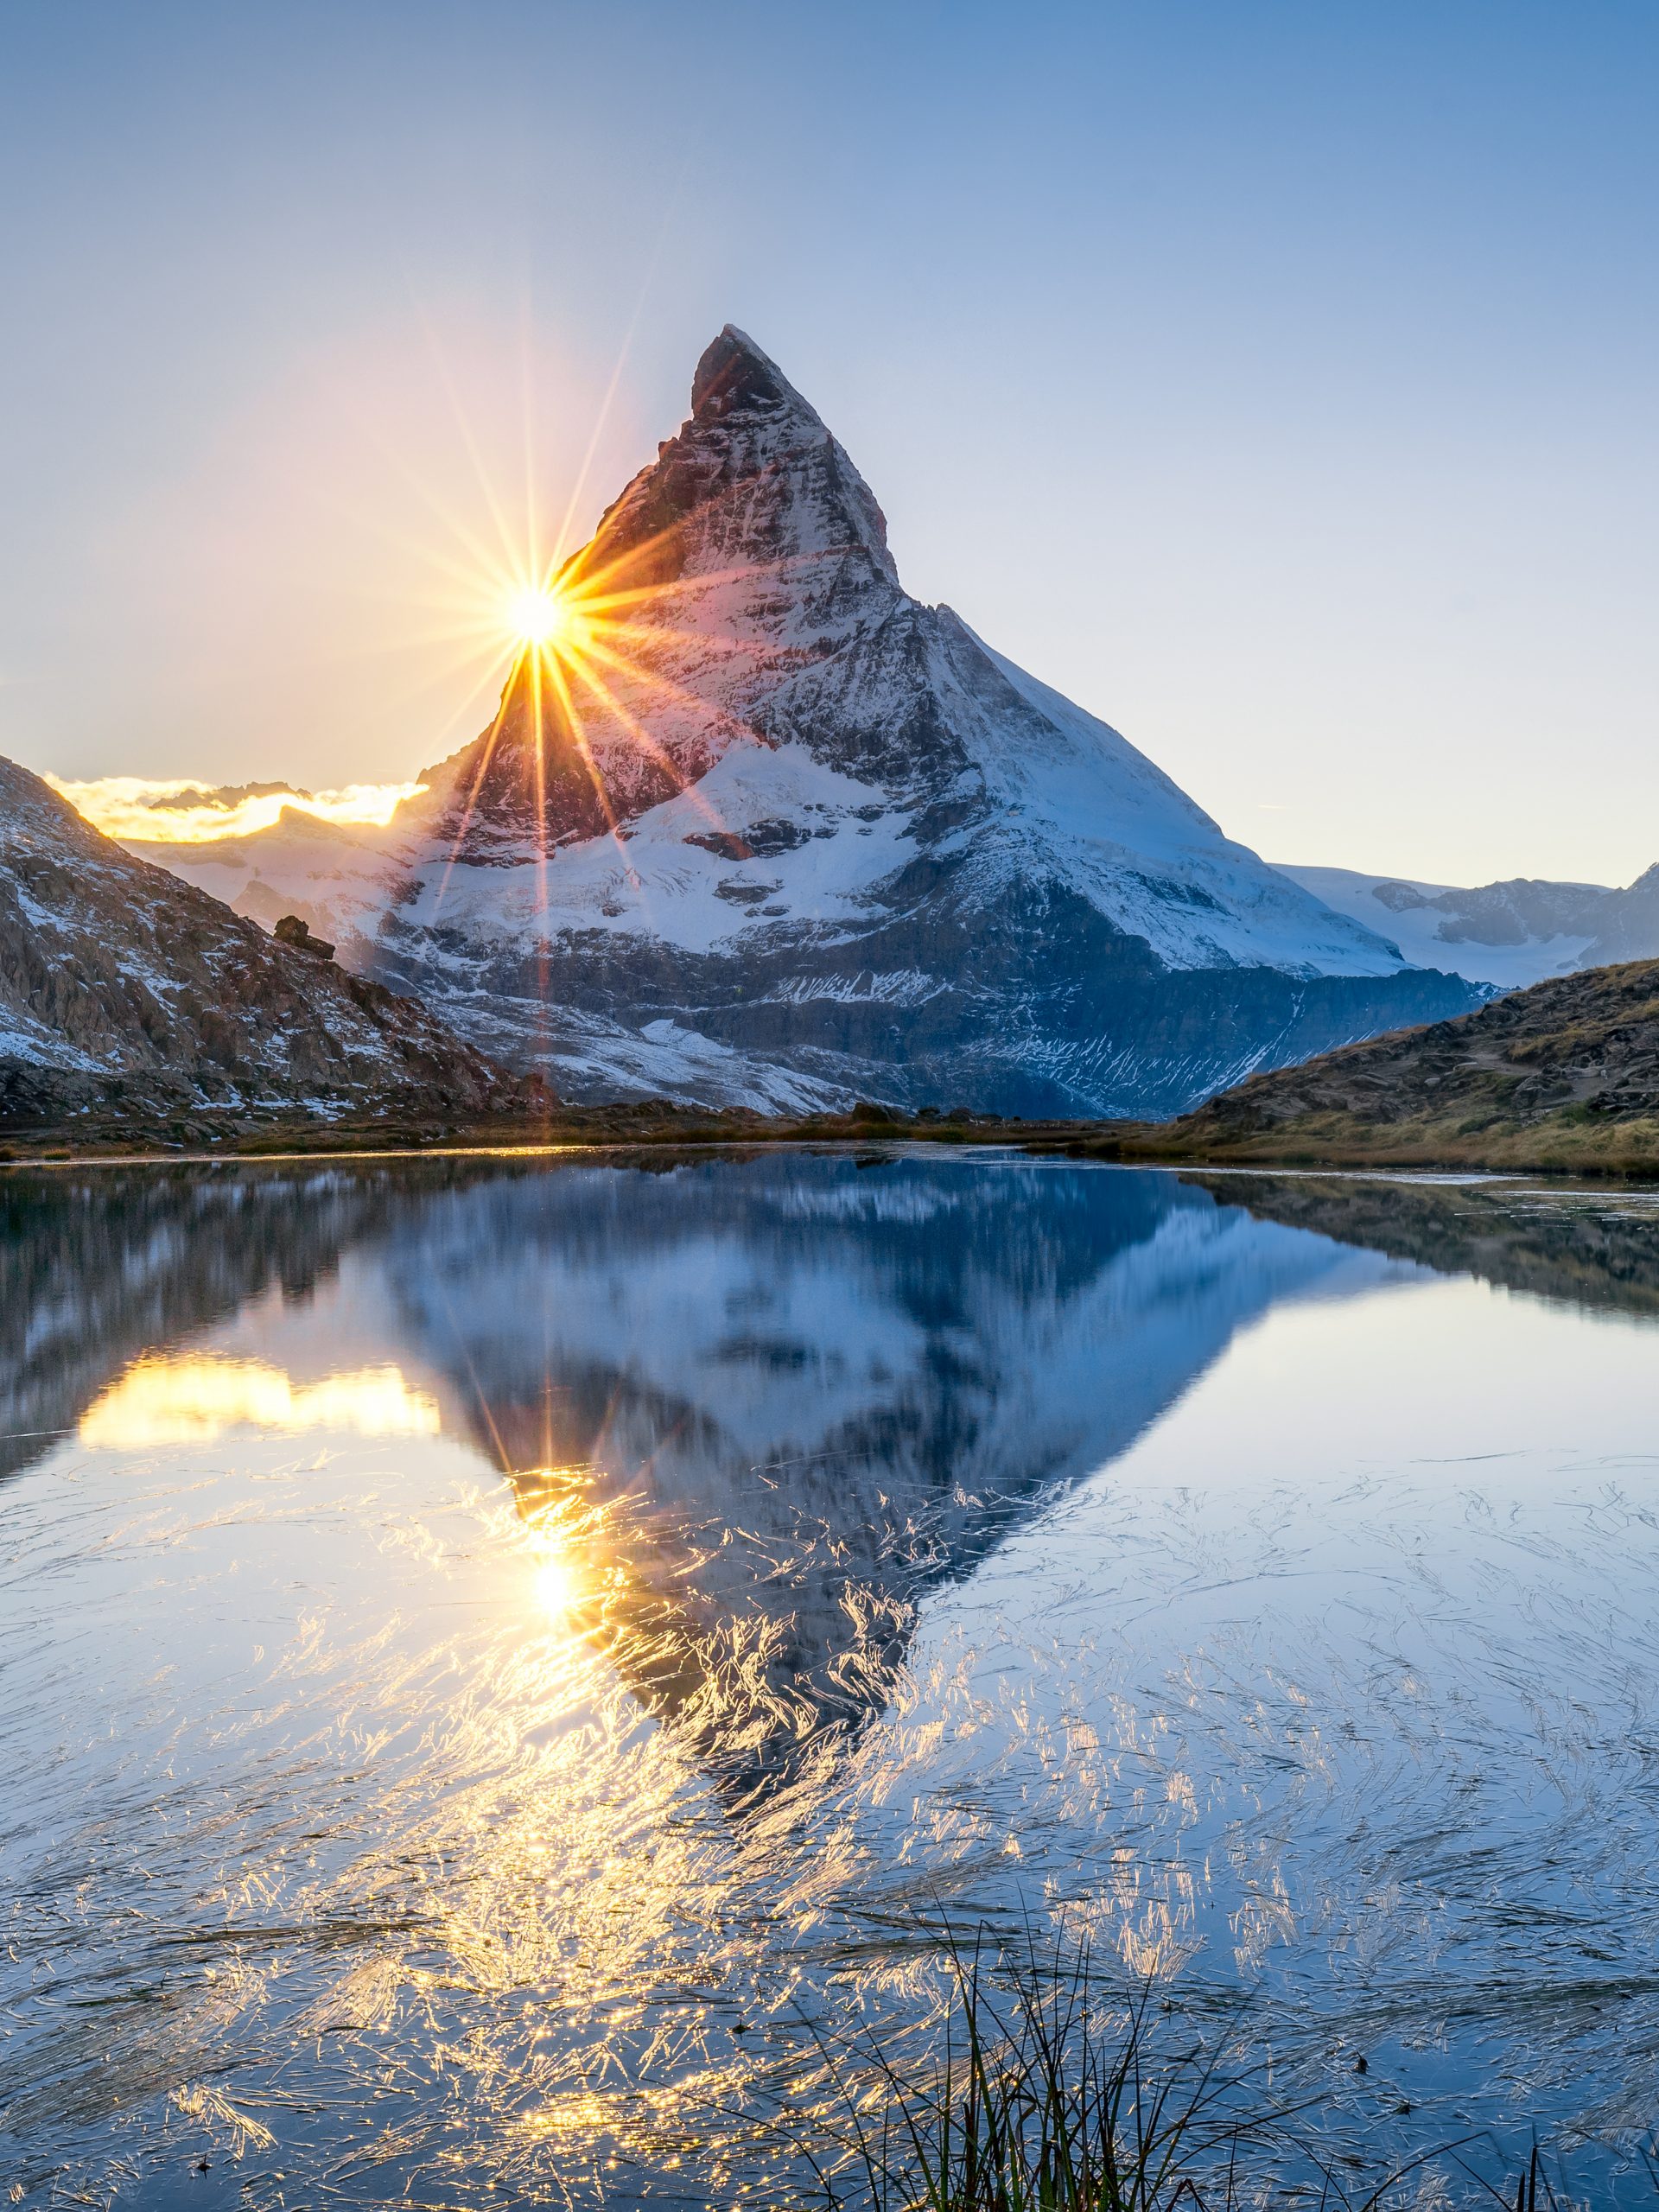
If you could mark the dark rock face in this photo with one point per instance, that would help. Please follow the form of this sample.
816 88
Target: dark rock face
122 989
723 844
291 929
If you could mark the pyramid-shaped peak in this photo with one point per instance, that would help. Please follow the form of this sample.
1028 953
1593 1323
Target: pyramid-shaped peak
754 482
734 370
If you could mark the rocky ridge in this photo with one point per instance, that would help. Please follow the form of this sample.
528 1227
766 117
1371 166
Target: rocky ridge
125 993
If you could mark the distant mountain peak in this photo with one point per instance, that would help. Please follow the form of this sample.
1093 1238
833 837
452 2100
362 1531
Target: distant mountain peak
1513 933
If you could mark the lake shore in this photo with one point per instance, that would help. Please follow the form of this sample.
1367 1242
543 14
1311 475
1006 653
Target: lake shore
1567 1143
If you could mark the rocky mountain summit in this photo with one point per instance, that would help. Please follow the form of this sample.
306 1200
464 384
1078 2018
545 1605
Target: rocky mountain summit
124 991
770 832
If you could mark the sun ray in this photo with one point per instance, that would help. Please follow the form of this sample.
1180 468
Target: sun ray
536 661
585 751
578 645
578 573
643 634
563 536
527 423
654 681
370 429
486 488
712 580
492 738
464 572
652 748
686 788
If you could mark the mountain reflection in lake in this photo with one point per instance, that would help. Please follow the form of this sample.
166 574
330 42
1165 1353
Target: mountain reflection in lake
490 1648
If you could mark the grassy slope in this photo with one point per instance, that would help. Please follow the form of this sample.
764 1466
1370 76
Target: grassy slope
1564 1075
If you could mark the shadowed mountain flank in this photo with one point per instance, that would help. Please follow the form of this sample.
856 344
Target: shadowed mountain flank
1565 1075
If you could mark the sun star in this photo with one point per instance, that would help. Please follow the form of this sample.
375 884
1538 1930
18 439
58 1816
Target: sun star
540 616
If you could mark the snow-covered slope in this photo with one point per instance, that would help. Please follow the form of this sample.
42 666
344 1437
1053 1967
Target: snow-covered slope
780 834
338 878
1511 934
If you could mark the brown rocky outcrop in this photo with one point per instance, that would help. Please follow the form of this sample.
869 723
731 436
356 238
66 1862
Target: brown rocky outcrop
127 993
291 929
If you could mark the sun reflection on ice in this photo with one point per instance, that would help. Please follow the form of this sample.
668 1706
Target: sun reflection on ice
558 1587
194 1397
574 1574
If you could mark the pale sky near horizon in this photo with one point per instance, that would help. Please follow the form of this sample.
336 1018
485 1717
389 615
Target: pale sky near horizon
1276 380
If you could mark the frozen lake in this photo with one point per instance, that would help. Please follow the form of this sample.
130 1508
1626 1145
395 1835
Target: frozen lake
495 1652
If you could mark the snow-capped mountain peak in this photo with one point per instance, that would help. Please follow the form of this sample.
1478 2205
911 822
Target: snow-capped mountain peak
754 479
767 828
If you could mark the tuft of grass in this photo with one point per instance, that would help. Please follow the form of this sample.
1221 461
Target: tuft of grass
1049 2094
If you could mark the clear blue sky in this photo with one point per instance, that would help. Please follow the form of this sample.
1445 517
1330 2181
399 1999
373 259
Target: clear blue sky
1276 379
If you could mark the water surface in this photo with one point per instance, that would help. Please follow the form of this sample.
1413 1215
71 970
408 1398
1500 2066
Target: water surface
493 1654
